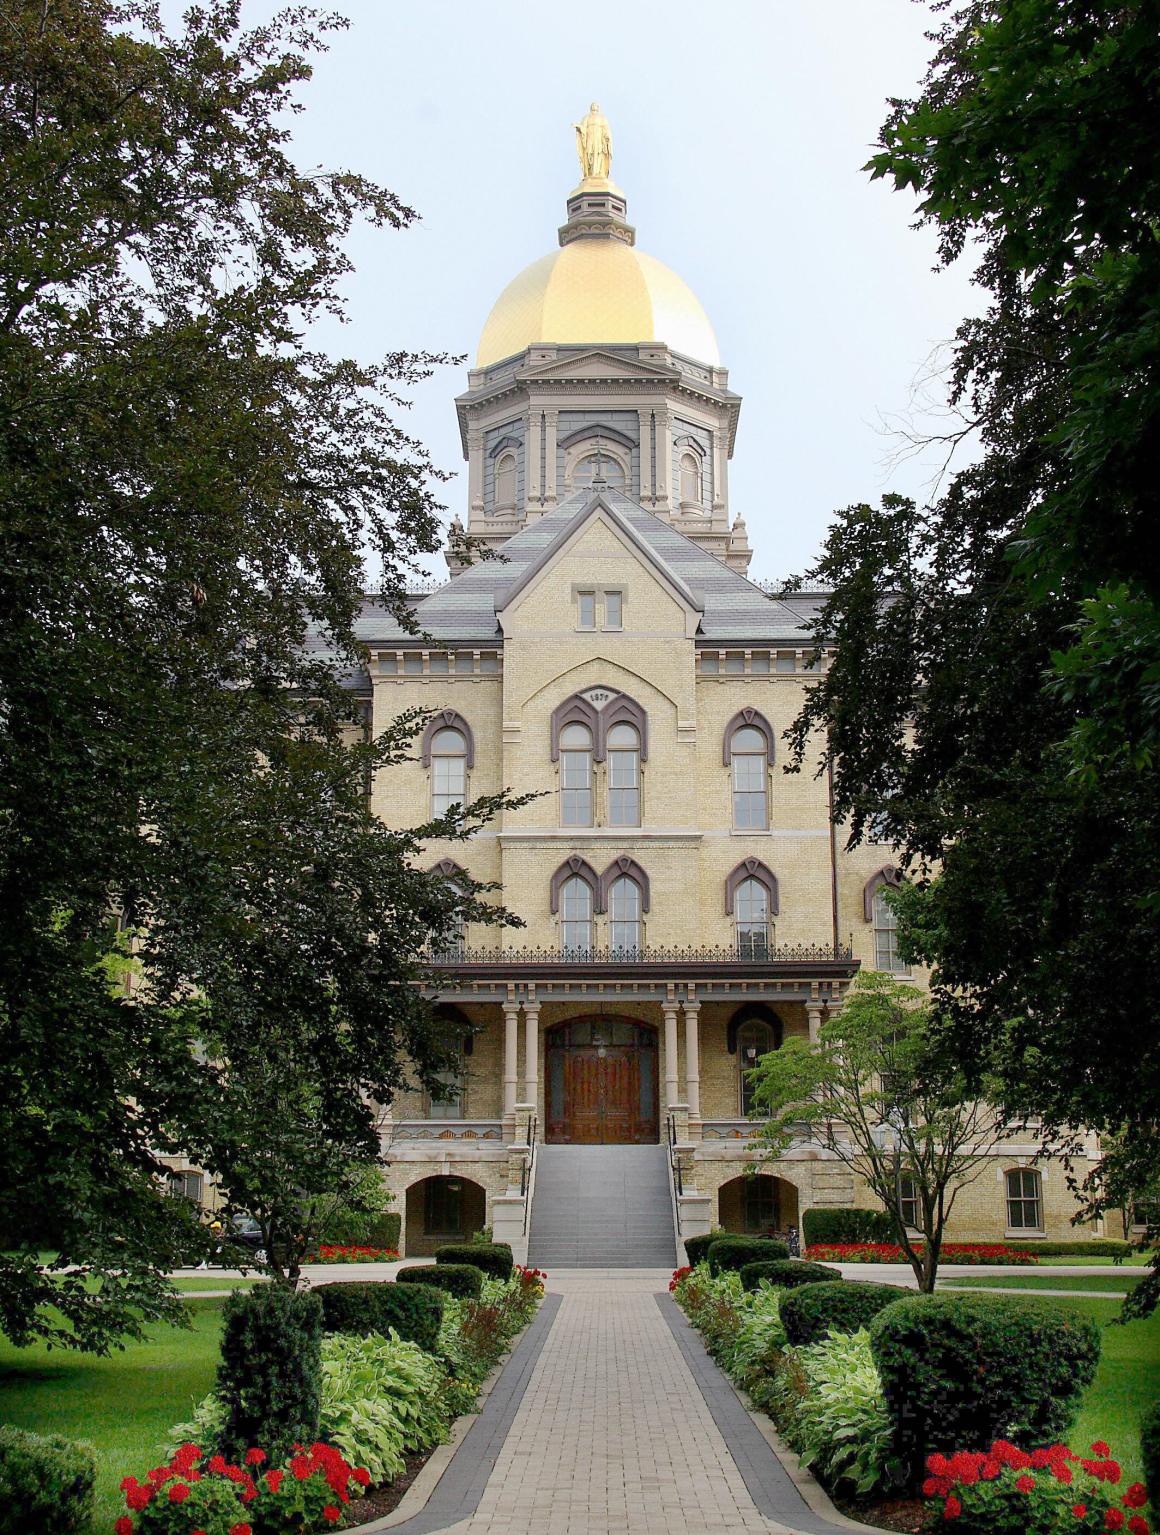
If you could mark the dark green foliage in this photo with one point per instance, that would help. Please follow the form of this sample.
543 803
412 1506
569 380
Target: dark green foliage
413 1310
734 1252
354 1230
1096 1247
1150 1451
46 1484
959 1371
462 1280
697 1248
788 1273
270 1374
815 1311
836 1223
494 1258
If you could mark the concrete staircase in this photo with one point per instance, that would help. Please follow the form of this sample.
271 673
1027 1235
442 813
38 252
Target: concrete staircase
602 1207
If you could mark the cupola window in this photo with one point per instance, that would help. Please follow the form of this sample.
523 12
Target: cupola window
505 483
691 494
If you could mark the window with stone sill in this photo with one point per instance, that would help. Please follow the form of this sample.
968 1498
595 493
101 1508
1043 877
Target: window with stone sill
576 776
576 914
886 956
1024 1199
625 927
750 775
752 918
448 770
624 776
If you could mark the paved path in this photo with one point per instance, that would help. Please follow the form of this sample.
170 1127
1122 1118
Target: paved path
618 1424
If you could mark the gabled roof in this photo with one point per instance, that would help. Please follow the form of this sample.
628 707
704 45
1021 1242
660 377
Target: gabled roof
733 610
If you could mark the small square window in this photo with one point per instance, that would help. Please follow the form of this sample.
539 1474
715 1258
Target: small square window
413 664
613 610
734 663
464 663
709 664
759 663
586 610
786 661
438 663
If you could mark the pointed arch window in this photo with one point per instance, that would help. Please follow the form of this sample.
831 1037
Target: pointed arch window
623 745
505 482
576 775
576 914
448 756
886 956
624 911
748 754
691 492
752 919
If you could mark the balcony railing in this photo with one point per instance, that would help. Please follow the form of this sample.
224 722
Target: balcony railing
748 954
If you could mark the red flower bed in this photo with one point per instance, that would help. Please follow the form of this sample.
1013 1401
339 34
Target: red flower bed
335 1254
678 1275
890 1252
1005 1490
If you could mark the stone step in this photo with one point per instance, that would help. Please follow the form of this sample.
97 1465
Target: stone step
601 1207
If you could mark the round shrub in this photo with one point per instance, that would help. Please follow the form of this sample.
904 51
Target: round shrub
816 1311
494 1258
787 1274
834 1225
1150 1451
960 1371
697 1248
415 1311
463 1280
46 1484
725 1253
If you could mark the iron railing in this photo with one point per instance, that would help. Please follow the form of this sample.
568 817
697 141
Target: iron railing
674 1159
527 1165
732 954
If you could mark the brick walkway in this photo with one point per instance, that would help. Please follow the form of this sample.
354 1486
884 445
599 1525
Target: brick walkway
612 1434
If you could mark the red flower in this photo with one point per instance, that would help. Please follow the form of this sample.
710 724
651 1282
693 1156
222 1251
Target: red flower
1136 1496
936 1464
1061 1472
1112 1471
952 1508
1100 1448
1040 1459
137 1498
362 1476
300 1468
1025 1484
1113 1519
128 1483
935 1487
123 1526
255 1457
274 1480
240 1529
1079 1510
178 1492
217 1464
331 1512
1137 1525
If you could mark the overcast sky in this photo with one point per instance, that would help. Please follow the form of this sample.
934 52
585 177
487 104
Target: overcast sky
739 132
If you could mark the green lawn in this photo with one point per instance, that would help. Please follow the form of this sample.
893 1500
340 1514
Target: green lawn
123 1404
208 1282
1128 1381
1116 1283
1133 1260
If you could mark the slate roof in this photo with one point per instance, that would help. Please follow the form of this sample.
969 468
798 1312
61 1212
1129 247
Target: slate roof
733 610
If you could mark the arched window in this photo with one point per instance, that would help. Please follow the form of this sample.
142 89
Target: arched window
1024 1199
505 483
576 914
610 470
623 743
624 907
576 776
751 915
748 751
754 1039
886 936
690 480
448 750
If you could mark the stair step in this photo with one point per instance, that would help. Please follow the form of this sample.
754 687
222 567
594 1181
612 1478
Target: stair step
601 1207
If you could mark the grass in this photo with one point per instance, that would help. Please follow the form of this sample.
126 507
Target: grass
208 1282
123 1404
1133 1260
1116 1283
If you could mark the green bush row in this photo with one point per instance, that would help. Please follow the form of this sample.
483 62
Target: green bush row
494 1258
786 1273
815 1311
414 1311
462 1280
725 1253
46 1484
353 1230
840 1223
1094 1247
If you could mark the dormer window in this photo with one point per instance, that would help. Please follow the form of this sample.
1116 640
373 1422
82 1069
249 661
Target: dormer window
505 483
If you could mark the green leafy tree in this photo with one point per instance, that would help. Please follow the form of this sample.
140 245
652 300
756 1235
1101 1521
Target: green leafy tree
878 1094
190 495
995 696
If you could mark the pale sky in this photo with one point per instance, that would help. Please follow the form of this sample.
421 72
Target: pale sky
739 129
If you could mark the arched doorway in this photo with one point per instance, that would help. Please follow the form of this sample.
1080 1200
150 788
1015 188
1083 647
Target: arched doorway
602 1083
757 1205
442 1209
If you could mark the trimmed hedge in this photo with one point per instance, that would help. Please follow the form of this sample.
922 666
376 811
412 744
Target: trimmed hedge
494 1258
414 1311
788 1273
960 1371
463 1280
840 1223
1150 1451
46 1483
816 1311
725 1253
1095 1247
364 1231
697 1248
270 1373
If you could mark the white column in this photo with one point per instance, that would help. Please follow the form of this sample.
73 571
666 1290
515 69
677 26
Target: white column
550 419
644 417
672 1087
663 489
531 1053
511 1034
692 1060
532 490
814 1014
474 475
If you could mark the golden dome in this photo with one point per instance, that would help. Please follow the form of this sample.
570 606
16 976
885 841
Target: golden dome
597 290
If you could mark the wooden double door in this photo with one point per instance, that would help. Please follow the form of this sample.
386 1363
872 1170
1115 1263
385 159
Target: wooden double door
602 1083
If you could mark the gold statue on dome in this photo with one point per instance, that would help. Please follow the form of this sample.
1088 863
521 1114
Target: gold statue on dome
594 145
